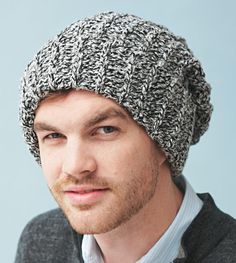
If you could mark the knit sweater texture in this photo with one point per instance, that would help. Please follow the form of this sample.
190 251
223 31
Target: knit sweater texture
48 238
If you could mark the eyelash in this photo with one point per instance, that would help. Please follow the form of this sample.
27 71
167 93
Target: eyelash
58 135
50 136
114 129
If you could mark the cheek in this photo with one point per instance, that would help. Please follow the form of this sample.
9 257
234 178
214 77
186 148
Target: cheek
124 158
51 166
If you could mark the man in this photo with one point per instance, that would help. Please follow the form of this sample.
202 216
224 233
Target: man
109 109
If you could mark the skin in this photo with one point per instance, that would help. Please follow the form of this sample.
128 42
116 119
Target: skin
107 175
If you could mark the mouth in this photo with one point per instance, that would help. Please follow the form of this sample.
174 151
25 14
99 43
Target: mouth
84 195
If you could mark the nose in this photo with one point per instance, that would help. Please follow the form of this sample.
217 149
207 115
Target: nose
78 161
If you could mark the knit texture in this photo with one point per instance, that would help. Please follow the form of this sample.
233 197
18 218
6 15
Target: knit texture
139 64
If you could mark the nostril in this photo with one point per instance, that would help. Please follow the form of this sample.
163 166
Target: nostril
79 167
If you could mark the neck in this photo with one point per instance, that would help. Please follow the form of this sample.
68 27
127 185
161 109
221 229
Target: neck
133 239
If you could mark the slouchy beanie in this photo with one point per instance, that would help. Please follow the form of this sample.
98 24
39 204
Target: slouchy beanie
141 65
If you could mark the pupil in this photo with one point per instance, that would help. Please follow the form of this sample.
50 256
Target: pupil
108 129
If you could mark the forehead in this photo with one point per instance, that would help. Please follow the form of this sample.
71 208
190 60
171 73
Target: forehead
79 103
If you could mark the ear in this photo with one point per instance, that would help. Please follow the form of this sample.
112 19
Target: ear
161 157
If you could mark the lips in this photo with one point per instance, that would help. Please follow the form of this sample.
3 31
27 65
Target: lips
84 195
81 189
87 191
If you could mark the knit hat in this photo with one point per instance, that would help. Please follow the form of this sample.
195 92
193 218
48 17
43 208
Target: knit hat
141 65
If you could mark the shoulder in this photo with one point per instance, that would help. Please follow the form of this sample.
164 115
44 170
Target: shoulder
212 235
47 223
47 237
222 236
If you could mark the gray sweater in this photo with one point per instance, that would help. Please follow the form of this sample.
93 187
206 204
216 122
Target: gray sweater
211 238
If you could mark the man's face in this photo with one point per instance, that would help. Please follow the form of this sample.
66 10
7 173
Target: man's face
100 166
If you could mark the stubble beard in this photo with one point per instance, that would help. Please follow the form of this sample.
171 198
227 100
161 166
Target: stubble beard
127 199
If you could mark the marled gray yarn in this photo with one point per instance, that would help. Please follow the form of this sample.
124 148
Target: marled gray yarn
141 65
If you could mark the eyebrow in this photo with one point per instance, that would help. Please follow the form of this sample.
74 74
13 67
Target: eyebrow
104 115
98 118
42 126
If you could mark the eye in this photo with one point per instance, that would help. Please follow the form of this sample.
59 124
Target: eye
54 135
106 130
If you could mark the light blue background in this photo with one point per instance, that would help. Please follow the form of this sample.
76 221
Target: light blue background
210 29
